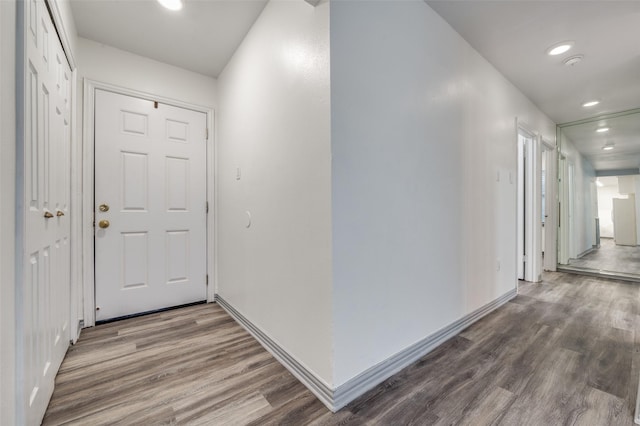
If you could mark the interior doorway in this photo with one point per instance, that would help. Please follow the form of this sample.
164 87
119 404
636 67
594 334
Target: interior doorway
548 178
529 223
148 238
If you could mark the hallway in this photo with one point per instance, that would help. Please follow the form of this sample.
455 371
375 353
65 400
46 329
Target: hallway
564 351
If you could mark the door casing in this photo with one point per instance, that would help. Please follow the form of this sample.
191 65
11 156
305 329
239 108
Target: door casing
87 165
551 206
526 227
533 198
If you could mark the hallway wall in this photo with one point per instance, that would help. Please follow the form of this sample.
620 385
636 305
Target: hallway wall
7 212
274 160
107 64
584 215
423 179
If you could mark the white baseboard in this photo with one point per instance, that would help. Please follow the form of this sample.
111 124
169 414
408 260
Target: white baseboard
339 397
317 386
375 375
586 252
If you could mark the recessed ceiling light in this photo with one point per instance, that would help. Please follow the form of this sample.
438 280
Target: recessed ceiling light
560 48
590 104
607 148
573 60
602 129
171 4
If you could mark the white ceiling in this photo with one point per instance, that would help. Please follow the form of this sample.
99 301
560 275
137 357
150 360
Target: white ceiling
515 35
201 37
512 35
624 133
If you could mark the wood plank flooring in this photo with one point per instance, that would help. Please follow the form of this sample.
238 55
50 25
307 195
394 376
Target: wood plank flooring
610 258
565 351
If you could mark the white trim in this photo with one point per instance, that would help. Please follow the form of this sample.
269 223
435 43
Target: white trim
75 305
212 218
535 219
533 251
337 398
550 261
316 385
358 385
62 32
586 252
86 233
87 166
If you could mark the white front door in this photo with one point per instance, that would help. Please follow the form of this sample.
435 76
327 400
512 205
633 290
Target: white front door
150 205
45 227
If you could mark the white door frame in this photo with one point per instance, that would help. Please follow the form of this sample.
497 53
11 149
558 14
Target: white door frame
550 260
534 268
532 201
563 203
87 166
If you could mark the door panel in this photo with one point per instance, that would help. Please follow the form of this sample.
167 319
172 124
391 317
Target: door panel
46 233
151 173
624 221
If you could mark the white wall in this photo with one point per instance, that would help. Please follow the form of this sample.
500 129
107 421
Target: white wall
7 212
584 219
274 125
606 194
107 64
421 127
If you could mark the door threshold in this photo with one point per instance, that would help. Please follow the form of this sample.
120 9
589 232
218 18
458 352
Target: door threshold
140 314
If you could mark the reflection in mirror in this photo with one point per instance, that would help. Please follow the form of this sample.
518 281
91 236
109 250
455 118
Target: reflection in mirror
599 195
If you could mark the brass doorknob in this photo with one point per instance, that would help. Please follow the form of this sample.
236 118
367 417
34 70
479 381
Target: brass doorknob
103 224
59 213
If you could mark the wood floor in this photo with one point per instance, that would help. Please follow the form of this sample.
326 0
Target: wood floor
610 258
564 352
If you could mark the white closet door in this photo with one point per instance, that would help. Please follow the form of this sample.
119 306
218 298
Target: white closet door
45 292
150 205
624 221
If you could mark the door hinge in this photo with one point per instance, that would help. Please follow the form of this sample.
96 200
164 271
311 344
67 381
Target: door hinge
207 279
206 131
524 258
206 207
